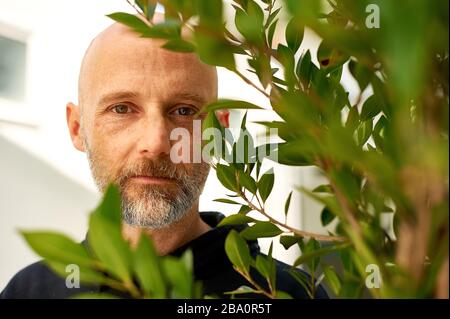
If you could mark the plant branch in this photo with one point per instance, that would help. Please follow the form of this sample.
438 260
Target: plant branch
258 290
138 11
297 232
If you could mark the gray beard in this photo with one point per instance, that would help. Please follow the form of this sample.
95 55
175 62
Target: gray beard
154 208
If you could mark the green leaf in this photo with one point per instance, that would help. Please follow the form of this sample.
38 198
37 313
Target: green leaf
265 184
179 276
188 259
241 290
148 8
238 251
179 45
227 201
381 125
272 17
352 119
261 66
324 54
306 68
130 20
351 289
142 4
362 75
289 241
305 10
247 181
271 32
330 57
244 210
286 56
255 11
214 50
110 206
272 279
370 108
57 247
169 29
210 13
312 252
213 133
302 279
328 200
227 176
363 132
148 269
332 279
244 121
336 74
262 265
245 151
310 255
294 34
105 237
326 188
87 275
290 153
260 230
106 241
236 219
326 216
287 204
223 104
250 23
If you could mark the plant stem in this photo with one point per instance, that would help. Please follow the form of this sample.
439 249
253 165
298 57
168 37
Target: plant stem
138 11
297 232
259 290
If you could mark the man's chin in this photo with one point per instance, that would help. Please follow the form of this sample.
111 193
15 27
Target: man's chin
137 192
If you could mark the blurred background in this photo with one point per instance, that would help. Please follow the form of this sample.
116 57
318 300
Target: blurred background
46 183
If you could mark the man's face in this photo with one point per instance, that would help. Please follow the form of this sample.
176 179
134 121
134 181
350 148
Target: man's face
132 95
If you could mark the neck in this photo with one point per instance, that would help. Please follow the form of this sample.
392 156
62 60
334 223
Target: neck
172 237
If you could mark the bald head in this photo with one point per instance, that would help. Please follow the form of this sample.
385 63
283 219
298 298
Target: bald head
119 50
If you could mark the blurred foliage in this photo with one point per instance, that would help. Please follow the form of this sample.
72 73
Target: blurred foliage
107 259
383 152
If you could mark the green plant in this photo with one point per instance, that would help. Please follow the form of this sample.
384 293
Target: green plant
384 154
107 259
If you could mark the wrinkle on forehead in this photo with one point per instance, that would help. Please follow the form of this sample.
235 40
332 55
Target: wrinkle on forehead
143 53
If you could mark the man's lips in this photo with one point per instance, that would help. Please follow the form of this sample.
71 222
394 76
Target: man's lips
157 180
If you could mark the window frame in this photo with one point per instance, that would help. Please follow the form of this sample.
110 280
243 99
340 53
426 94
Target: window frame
12 111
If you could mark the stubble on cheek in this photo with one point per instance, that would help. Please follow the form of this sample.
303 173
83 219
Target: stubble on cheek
104 170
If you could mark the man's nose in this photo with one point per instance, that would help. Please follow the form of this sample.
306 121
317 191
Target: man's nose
153 141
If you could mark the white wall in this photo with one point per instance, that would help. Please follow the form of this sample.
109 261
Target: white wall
35 196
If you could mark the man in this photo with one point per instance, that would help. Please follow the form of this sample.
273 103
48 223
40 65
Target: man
132 94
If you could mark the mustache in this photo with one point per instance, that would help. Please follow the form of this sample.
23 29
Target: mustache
162 168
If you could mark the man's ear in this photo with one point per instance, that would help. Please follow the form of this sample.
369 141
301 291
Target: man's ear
73 123
224 117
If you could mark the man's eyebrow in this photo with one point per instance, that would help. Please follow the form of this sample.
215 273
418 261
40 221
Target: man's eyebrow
108 98
114 96
190 96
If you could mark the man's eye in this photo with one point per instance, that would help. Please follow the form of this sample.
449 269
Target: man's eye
185 111
121 109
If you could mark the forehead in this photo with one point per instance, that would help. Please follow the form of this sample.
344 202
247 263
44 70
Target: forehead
119 60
